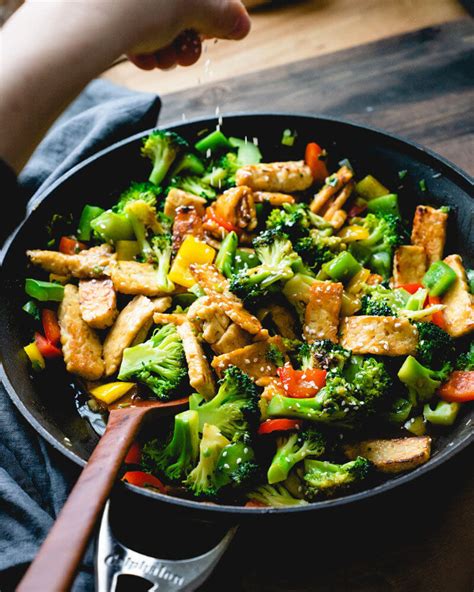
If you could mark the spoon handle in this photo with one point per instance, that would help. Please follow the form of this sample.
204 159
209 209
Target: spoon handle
55 565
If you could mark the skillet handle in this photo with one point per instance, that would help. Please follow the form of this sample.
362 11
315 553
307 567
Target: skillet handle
55 565
113 560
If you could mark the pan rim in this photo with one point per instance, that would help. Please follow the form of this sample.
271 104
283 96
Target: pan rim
460 177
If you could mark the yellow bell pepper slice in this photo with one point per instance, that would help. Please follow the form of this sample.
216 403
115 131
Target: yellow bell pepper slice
126 250
111 392
353 233
191 251
369 188
35 356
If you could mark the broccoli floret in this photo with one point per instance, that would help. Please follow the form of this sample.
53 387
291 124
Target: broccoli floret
317 248
349 397
194 185
234 409
323 354
162 251
421 381
202 480
326 477
297 292
221 173
236 466
162 147
293 448
276 255
296 220
466 360
176 458
275 355
276 496
377 300
132 216
386 233
435 346
159 362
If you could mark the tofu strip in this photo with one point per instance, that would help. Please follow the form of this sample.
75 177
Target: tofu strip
200 374
409 265
392 456
459 302
383 336
279 177
335 184
130 321
131 277
339 201
429 232
89 263
98 302
82 349
322 311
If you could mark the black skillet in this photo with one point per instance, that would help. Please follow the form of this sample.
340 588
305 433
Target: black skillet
52 410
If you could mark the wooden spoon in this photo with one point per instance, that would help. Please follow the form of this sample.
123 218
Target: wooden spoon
55 565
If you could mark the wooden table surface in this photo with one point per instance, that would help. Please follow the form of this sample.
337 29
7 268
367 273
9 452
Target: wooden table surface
405 67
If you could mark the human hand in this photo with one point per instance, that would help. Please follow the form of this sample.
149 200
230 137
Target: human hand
163 34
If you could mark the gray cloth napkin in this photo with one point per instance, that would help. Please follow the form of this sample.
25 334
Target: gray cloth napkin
34 478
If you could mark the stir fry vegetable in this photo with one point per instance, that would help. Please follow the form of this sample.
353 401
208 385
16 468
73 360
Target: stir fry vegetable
294 302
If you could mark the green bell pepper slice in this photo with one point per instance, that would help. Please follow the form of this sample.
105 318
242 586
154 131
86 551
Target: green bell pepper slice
84 229
439 278
386 204
342 268
44 291
213 142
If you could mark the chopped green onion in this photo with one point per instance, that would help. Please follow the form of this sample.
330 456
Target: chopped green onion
439 278
44 291
422 185
288 138
402 174
346 162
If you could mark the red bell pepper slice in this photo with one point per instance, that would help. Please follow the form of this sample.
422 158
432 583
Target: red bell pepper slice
47 349
51 327
301 384
278 425
411 288
356 211
313 158
70 246
459 388
221 221
134 455
142 479
437 317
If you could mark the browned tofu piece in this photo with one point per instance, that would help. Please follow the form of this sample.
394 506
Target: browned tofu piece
131 277
429 232
274 199
82 349
280 177
129 322
160 305
98 302
459 302
233 338
199 371
216 285
160 318
409 265
89 263
207 314
251 359
187 220
383 336
321 319
333 185
392 456
236 206
177 198
282 318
